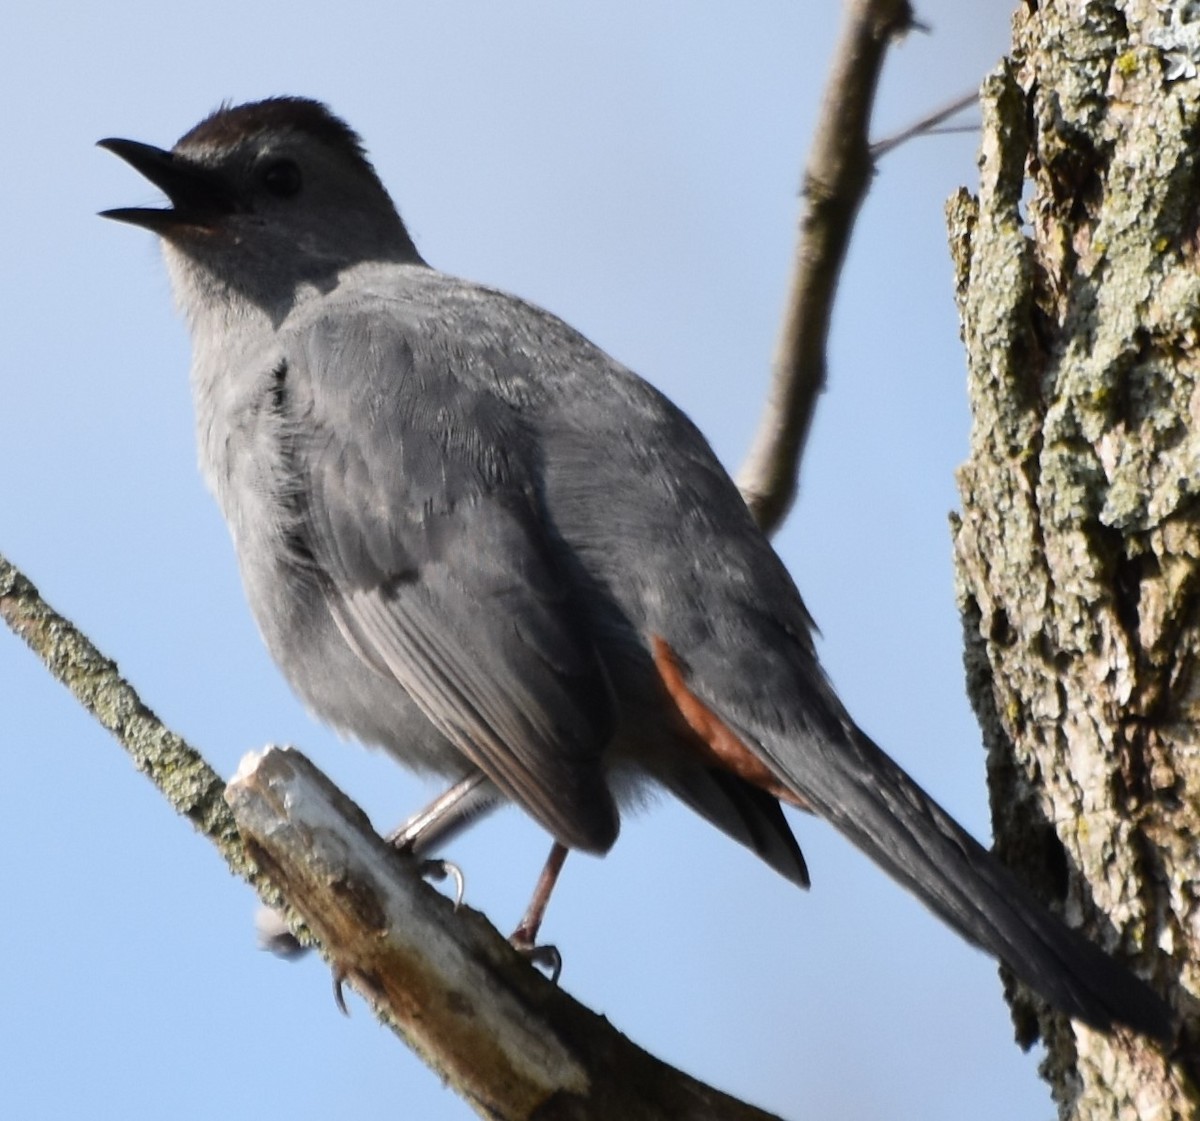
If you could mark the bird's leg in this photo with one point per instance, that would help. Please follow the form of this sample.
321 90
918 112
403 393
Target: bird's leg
524 938
445 817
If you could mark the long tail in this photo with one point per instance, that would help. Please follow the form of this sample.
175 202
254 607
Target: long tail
849 780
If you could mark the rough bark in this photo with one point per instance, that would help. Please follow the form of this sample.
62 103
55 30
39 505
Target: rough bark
1078 545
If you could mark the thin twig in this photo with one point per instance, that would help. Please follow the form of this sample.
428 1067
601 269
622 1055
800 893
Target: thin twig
835 183
927 126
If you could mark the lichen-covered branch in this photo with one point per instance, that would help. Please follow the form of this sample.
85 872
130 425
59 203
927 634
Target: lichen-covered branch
836 180
177 769
514 1045
1078 546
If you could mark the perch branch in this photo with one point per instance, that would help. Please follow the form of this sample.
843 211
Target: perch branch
447 982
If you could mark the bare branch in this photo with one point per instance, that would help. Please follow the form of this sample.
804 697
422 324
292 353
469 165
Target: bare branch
835 183
506 1038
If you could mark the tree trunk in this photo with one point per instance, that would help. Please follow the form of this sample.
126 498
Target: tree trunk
1077 547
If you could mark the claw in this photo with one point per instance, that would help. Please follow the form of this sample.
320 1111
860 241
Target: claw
339 997
438 870
547 957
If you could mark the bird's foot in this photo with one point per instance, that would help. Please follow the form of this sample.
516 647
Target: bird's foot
545 956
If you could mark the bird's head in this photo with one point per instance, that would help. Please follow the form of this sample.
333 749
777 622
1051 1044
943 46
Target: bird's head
266 196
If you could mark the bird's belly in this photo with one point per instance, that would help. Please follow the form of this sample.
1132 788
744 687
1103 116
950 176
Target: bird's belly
335 684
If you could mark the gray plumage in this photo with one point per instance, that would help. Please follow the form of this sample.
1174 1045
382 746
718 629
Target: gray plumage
461 526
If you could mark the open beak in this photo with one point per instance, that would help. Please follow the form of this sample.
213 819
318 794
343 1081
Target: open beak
199 196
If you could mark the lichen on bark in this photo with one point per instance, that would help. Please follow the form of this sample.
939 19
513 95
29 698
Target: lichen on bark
1078 541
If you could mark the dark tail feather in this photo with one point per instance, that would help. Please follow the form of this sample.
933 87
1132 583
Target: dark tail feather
750 816
871 800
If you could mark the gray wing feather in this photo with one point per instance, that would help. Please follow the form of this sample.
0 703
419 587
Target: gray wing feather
419 510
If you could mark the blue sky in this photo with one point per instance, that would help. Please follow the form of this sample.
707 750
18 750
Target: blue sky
633 167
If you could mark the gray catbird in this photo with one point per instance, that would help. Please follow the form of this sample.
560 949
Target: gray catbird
471 537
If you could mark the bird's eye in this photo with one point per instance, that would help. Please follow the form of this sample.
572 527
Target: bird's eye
282 178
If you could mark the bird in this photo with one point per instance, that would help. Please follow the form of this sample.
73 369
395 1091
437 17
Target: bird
471 537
